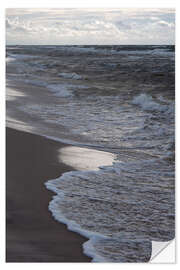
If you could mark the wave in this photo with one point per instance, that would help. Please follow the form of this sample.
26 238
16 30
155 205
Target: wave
70 76
61 90
117 205
147 103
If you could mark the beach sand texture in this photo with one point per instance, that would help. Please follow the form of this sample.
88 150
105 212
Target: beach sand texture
32 235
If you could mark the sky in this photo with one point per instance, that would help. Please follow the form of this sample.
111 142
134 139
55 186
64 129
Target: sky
75 26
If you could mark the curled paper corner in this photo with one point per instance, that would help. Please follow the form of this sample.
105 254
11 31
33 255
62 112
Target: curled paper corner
163 252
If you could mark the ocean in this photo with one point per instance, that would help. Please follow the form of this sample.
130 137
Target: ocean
117 99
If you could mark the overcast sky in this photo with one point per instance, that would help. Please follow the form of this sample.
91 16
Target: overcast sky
90 26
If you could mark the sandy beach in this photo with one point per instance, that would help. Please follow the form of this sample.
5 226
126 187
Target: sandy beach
32 235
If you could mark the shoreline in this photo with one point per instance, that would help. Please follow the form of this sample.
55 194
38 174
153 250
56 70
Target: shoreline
32 235
105 112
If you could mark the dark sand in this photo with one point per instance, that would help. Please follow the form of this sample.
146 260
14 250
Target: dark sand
32 235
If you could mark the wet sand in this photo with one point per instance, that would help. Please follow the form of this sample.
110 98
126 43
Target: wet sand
32 235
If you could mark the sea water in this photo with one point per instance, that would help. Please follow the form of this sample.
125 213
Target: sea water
118 99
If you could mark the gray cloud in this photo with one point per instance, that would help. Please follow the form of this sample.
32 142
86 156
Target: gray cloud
84 26
16 26
123 26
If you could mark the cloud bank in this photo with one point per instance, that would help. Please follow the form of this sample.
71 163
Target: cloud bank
90 26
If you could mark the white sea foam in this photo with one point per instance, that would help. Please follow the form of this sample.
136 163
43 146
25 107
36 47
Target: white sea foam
112 124
60 90
70 76
99 204
90 251
95 50
84 159
147 103
58 215
162 52
22 56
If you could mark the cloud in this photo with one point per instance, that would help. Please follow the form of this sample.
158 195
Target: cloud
122 26
82 26
16 26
